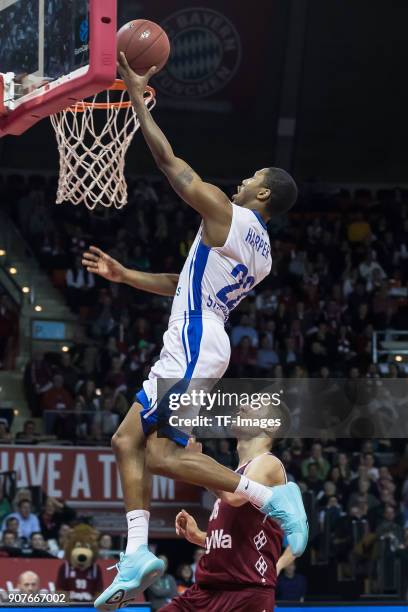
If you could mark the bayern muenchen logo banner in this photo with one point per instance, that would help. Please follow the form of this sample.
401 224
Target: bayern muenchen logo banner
205 55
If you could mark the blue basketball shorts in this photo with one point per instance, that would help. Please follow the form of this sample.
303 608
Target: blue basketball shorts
194 346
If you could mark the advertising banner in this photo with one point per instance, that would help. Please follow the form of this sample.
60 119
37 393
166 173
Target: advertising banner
87 479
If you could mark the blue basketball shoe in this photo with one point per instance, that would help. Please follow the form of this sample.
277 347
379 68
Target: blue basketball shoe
285 505
136 573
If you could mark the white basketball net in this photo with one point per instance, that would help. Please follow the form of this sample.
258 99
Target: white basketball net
92 149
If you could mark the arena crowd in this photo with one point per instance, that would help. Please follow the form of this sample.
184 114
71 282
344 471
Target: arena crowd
340 272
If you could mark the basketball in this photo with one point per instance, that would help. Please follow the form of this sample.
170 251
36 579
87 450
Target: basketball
145 44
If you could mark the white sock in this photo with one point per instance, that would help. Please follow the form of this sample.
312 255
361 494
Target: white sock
253 491
138 529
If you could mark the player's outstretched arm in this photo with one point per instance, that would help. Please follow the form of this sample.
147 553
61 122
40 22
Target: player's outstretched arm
160 284
102 264
208 200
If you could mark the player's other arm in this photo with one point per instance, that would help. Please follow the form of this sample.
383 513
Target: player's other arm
212 203
186 526
265 469
98 262
284 560
160 284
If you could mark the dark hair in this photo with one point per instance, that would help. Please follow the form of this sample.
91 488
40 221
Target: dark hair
8 531
284 191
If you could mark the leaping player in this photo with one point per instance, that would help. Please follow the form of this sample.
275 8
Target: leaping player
229 257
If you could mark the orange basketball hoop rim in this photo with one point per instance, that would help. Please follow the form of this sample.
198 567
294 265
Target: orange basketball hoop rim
92 149
118 85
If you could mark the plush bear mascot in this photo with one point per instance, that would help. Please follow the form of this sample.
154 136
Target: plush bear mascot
80 576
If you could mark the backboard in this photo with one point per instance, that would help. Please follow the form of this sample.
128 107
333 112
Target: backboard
52 54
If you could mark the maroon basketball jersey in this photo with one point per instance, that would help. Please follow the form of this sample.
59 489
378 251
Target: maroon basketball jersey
242 548
82 585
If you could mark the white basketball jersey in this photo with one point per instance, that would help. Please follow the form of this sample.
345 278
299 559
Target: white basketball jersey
215 279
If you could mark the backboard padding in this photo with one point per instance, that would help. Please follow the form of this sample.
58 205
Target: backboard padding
94 71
